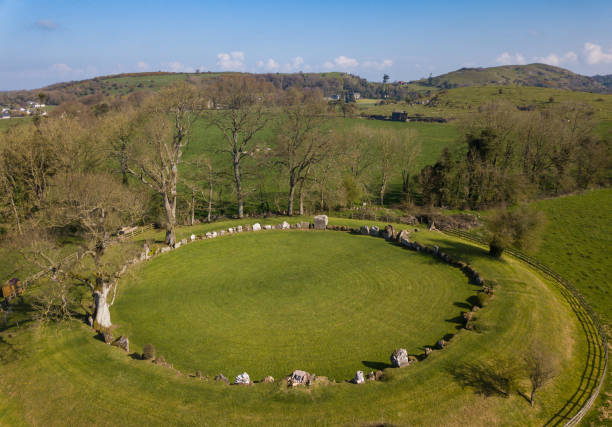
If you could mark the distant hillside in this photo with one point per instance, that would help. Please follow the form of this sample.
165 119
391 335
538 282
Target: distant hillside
538 75
92 91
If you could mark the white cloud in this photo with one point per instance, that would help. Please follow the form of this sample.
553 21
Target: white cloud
554 59
510 59
176 67
295 65
595 55
230 61
142 66
269 65
385 63
61 68
341 63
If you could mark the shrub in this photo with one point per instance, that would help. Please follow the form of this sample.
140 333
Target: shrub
148 352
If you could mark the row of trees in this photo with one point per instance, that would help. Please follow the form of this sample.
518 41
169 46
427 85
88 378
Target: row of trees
509 155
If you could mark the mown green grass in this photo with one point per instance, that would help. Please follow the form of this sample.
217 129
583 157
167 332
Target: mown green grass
271 302
95 384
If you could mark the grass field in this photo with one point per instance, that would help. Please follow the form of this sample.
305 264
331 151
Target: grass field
272 302
99 385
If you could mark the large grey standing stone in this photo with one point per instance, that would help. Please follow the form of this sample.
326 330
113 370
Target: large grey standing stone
374 230
399 358
320 222
403 235
359 379
299 377
389 233
256 226
364 229
243 378
222 378
123 343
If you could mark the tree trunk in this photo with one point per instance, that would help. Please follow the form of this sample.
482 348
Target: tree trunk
210 192
192 207
301 197
170 207
238 179
291 194
102 317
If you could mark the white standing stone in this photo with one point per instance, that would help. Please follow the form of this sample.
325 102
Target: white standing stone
320 222
267 227
399 358
239 229
285 225
256 226
243 378
192 237
359 379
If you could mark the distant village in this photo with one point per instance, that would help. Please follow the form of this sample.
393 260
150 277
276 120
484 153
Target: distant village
29 109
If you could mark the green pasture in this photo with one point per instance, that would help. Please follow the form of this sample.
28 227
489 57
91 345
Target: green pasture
96 384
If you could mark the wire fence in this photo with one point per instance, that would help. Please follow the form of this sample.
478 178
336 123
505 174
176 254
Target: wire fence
597 356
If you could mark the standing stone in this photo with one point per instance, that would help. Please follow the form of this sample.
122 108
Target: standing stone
239 229
436 249
243 378
399 358
403 235
428 351
90 321
374 230
305 225
221 378
389 233
299 377
108 337
364 229
267 227
214 234
123 343
192 237
358 379
177 245
256 226
320 222
441 344
268 379
230 230
371 376
285 225
221 232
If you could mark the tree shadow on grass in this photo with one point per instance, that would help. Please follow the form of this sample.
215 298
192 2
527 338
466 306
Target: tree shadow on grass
486 379
379 366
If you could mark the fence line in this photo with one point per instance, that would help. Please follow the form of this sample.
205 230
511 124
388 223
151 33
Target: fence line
593 319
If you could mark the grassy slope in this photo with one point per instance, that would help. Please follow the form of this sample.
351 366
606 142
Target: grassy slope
96 384
460 101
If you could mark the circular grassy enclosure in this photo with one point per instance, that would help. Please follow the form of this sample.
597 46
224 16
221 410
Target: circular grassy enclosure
271 302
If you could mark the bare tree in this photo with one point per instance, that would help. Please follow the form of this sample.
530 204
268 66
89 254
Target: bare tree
541 367
239 113
167 132
301 142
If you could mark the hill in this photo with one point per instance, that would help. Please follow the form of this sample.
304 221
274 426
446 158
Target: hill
535 75
538 75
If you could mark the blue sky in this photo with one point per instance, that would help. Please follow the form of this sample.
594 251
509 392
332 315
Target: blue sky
43 42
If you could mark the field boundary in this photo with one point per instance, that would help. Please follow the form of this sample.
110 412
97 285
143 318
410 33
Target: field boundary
590 322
